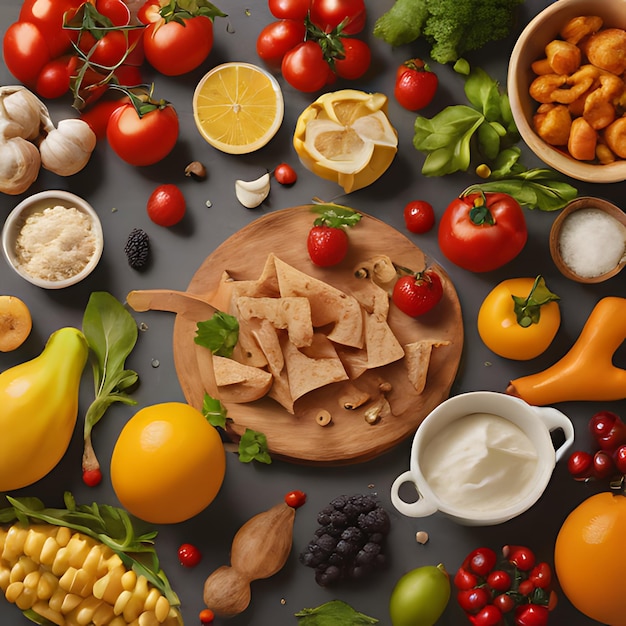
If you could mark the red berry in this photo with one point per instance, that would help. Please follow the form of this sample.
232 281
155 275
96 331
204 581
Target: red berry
526 587
327 245
619 456
419 216
166 205
580 464
603 464
504 602
206 616
481 561
531 615
499 580
473 600
464 579
92 477
189 555
285 174
608 430
295 499
489 615
416 294
541 575
522 557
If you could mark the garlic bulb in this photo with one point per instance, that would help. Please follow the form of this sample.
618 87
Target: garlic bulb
67 148
19 165
22 107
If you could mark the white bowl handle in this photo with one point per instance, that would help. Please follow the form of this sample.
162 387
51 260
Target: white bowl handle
419 508
554 420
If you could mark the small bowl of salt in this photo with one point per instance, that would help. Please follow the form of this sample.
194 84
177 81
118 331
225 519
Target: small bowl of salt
588 240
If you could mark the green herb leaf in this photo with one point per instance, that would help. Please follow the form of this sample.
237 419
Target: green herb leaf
180 10
214 411
110 525
111 334
253 447
333 613
335 215
483 92
219 334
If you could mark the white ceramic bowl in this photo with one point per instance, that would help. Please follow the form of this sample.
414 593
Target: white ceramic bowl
529 48
36 204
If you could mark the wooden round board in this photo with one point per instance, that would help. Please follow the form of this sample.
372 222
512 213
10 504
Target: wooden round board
349 438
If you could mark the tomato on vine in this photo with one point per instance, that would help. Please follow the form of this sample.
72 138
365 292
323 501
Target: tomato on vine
305 68
277 38
25 51
329 14
355 60
289 9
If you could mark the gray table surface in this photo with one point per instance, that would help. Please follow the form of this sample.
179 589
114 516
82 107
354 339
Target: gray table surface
110 184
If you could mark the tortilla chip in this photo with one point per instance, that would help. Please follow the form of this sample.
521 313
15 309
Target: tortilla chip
239 383
417 358
381 344
292 314
329 305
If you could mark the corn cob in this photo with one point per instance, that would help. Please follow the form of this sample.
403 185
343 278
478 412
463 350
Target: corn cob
71 579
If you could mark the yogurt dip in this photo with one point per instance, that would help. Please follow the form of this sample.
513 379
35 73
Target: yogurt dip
480 462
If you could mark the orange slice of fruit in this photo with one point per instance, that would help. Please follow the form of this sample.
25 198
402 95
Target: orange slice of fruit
238 107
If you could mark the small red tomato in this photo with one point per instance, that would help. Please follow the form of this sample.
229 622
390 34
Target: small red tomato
489 615
327 245
541 575
603 464
531 615
92 477
499 580
504 602
355 61
526 587
419 216
285 174
481 561
166 205
522 557
415 85
473 600
580 464
189 555
608 430
416 294
295 499
464 579
619 457
206 616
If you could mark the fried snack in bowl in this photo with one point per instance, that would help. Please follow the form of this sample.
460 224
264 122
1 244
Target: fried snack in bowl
566 99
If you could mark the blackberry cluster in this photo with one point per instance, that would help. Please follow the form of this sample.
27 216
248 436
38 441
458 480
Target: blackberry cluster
349 542
137 248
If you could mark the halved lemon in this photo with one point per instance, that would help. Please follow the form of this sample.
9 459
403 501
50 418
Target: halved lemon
346 136
238 107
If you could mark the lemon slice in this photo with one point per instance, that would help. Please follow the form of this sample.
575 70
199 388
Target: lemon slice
346 136
238 107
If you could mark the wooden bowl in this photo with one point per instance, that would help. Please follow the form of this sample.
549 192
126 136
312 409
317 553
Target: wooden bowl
529 48
584 202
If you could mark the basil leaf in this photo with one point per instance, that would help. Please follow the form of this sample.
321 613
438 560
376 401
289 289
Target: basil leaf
214 411
333 613
219 334
253 447
483 92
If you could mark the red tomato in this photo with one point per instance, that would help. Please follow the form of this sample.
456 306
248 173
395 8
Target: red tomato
419 216
473 600
115 10
328 14
531 615
356 60
482 232
108 51
173 49
142 140
277 38
206 616
149 12
48 16
54 79
416 294
295 499
415 85
25 51
166 205
128 75
99 114
189 555
305 68
285 174
289 9
481 561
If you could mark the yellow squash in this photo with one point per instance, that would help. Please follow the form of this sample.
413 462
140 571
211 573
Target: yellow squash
39 400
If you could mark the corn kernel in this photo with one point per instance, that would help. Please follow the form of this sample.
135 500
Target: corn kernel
47 585
26 599
14 590
63 536
70 602
103 614
84 612
151 599
148 618
56 599
122 601
78 548
23 566
31 580
14 543
49 551
5 577
129 580
43 608
61 561
162 609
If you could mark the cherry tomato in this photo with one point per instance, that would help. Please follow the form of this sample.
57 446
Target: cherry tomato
285 174
142 140
541 575
92 478
522 557
526 587
603 464
305 68
48 16
166 205
206 616
54 79
174 49
289 9
499 580
98 115
328 14
277 38
482 232
115 10
327 245
519 318
473 600
464 579
128 75
531 615
415 85
608 430
356 60
489 615
416 294
25 51
619 456
295 499
189 555
504 602
108 51
481 561
580 464
419 216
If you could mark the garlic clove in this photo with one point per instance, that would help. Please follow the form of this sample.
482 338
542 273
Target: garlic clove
19 165
67 149
22 107
252 193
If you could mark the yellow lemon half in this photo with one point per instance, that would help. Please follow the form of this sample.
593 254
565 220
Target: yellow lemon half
346 136
238 107
168 463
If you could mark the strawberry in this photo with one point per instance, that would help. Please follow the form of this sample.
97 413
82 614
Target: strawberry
415 85
418 292
327 241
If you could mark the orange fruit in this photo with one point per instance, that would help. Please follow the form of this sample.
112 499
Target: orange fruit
168 463
238 107
589 558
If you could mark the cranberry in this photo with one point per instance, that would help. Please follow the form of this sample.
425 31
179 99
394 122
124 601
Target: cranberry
531 615
473 600
481 561
580 464
603 464
619 456
499 580
189 555
608 430
463 579
522 557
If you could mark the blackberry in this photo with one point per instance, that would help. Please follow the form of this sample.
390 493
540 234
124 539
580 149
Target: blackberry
137 248
349 541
